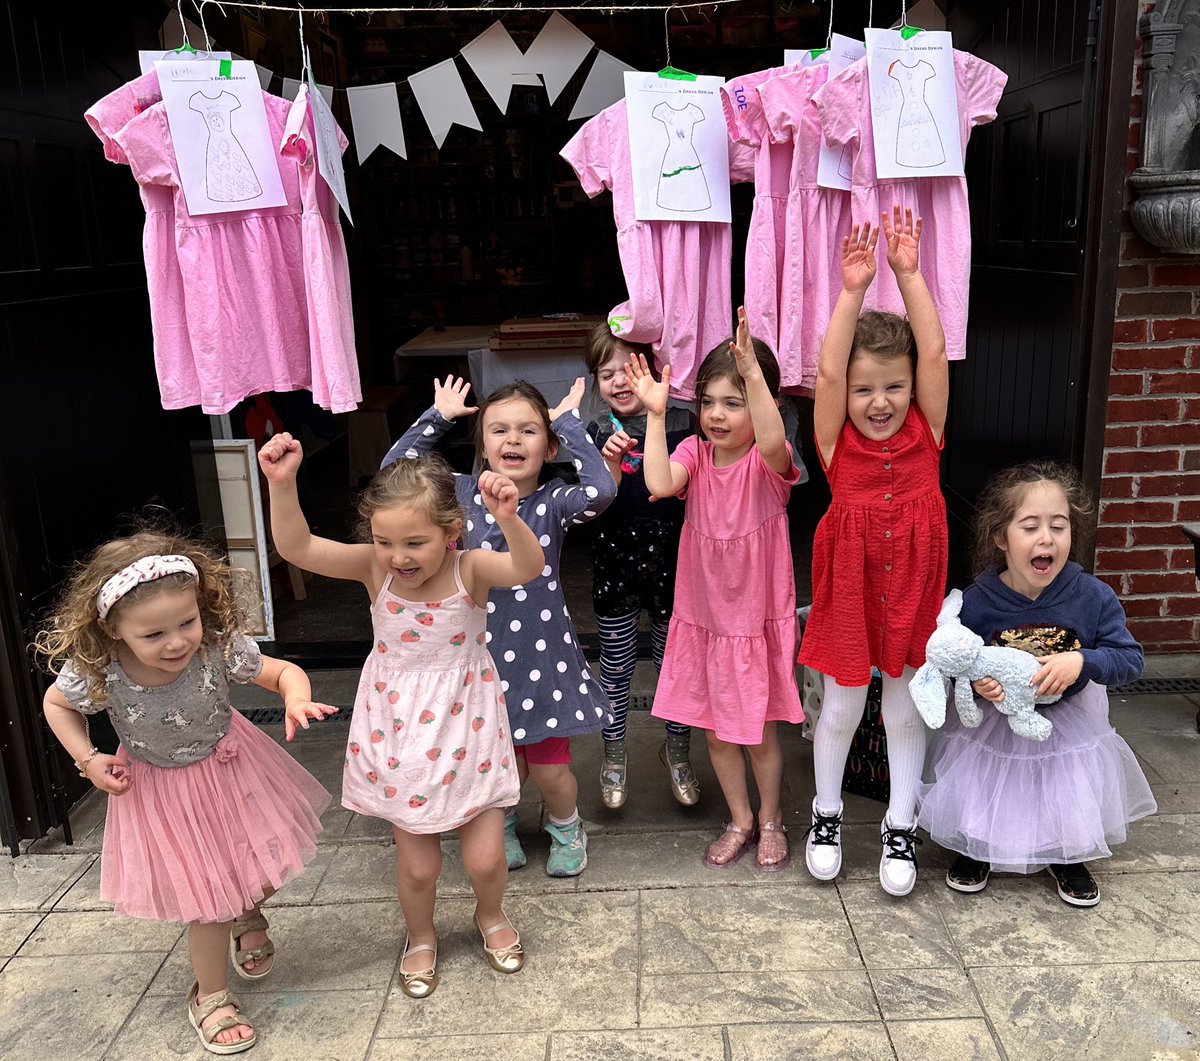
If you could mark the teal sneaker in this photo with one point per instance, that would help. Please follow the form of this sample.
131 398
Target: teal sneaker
568 849
513 851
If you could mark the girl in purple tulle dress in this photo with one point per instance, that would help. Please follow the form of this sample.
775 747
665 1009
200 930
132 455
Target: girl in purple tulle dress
1005 802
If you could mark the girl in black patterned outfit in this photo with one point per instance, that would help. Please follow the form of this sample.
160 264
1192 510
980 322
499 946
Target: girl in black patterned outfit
634 547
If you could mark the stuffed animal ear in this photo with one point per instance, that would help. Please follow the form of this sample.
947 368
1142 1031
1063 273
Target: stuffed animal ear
951 606
928 690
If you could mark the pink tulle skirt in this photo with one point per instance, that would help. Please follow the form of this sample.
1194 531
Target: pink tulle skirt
1021 804
202 842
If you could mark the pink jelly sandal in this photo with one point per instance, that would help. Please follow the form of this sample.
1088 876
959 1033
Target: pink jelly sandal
773 853
727 848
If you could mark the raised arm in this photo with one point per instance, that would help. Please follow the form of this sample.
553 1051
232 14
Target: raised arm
449 403
664 477
485 568
933 370
280 460
580 504
829 391
769 434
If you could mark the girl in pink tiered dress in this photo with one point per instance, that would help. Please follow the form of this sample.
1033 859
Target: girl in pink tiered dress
728 665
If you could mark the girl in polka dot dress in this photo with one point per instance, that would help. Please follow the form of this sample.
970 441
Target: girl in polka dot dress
429 748
551 693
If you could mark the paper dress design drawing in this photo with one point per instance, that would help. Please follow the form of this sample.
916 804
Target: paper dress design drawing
681 183
229 177
918 143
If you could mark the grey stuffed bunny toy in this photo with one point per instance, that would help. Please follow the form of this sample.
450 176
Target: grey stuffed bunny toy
955 652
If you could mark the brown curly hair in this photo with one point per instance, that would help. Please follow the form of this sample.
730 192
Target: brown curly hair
885 336
74 631
720 364
425 482
1002 497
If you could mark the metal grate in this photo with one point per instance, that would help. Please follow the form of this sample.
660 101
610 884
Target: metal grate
1158 686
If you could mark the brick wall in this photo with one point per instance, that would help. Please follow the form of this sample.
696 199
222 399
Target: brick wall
1152 439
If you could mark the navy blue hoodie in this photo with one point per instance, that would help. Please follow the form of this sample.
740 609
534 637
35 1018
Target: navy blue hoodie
1076 612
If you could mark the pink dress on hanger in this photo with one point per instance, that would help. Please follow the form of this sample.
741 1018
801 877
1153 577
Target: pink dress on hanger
817 220
676 272
845 109
335 381
243 272
178 384
765 241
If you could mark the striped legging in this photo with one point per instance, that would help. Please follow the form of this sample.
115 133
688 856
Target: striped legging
618 657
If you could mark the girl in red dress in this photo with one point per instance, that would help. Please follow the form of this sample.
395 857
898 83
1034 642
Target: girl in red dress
879 556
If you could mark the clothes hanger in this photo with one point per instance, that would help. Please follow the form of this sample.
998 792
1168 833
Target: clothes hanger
669 72
816 53
226 68
907 32
186 46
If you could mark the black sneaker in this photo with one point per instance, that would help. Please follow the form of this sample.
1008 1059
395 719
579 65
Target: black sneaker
1076 886
967 875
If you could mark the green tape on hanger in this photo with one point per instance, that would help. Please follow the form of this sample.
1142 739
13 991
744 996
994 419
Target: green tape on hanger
908 32
226 69
672 74
816 53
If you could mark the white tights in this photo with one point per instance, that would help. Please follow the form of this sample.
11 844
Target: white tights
841 712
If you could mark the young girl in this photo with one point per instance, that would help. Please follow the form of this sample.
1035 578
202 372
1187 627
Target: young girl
210 817
634 547
429 749
1018 805
551 694
728 666
879 555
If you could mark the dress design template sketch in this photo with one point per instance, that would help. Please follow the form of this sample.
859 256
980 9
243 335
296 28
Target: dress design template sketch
229 177
918 143
681 183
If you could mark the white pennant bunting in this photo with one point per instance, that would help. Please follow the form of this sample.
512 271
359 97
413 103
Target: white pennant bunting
498 63
556 54
375 115
605 85
443 100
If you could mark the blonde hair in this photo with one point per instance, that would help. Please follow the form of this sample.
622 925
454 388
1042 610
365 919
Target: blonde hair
1002 496
426 483
74 631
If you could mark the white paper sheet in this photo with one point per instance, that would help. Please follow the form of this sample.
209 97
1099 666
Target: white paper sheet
146 60
443 100
329 148
375 114
227 160
805 57
914 104
603 86
498 63
833 163
291 89
679 147
556 53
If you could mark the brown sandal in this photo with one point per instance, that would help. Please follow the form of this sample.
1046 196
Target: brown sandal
727 848
773 851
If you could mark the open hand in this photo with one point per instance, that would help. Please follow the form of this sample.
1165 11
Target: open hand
450 398
108 774
1057 672
743 349
858 257
902 240
652 393
990 689
298 712
618 444
280 458
571 401
499 494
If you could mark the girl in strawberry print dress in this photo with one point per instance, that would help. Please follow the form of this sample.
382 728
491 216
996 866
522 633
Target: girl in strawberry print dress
879 555
429 746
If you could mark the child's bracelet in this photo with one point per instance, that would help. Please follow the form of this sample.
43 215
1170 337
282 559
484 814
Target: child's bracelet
82 766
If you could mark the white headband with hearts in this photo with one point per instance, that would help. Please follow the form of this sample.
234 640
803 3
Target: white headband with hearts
147 569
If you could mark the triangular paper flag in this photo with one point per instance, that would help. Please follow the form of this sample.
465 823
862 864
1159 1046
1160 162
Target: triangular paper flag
291 88
495 58
443 100
605 85
329 147
375 115
556 54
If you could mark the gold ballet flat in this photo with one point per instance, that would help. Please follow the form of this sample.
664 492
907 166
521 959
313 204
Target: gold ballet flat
510 959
